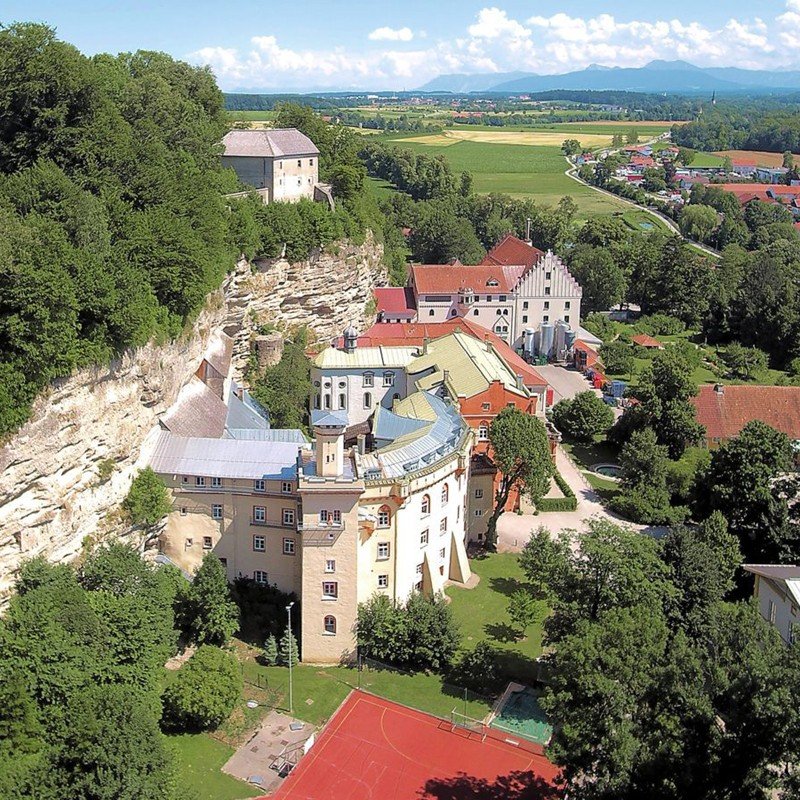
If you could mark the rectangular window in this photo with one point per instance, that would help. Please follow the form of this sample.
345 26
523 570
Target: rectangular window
383 550
525 306
423 538
323 517
486 406
388 378
383 581
443 527
478 512
479 494
524 318
546 318
546 305
772 611
286 487
207 543
566 317
337 517
259 544
185 479
567 304
310 162
288 547
547 290
441 554
488 298
419 569
216 511
183 511
330 565
216 483
259 576
299 162
259 485
369 379
502 298
189 542
288 516
259 514
548 275
330 589
199 481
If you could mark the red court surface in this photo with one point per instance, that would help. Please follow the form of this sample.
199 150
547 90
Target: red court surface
373 749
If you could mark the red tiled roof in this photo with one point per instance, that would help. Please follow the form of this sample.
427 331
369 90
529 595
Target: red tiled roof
395 299
744 161
725 413
643 161
405 334
643 340
449 278
512 250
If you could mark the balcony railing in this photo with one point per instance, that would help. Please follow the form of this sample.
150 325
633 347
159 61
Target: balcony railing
320 534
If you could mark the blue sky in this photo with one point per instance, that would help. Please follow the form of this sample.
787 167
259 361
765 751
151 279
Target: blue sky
394 45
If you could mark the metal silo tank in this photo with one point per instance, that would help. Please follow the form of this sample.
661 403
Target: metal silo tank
529 341
546 335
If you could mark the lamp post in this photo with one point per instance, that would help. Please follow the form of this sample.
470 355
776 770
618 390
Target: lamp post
289 654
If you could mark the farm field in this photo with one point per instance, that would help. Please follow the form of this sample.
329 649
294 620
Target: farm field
533 138
521 170
763 159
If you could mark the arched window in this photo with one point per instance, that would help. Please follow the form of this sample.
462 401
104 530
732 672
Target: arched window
342 400
483 432
384 516
445 494
367 400
327 401
426 504
330 624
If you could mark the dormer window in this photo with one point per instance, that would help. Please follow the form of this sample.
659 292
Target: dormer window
492 282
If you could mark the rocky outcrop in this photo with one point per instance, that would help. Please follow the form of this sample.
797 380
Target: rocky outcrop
64 474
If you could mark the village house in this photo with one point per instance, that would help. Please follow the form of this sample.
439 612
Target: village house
282 163
777 591
516 290
725 410
332 524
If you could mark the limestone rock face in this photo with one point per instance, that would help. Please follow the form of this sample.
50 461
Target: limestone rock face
57 484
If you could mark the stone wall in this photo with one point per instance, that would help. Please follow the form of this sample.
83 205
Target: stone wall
53 490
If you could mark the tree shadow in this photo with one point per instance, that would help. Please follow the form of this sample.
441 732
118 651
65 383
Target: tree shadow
501 632
506 586
516 785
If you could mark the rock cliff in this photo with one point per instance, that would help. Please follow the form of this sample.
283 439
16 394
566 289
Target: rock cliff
64 474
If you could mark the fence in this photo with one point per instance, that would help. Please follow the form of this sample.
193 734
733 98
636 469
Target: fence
426 692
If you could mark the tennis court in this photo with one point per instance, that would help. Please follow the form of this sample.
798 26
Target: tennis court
374 749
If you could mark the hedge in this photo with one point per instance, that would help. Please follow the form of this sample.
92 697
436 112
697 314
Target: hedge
567 503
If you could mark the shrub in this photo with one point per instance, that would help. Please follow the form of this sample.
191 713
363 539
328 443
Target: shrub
567 503
477 669
214 615
583 416
617 357
418 634
660 325
204 692
600 325
148 499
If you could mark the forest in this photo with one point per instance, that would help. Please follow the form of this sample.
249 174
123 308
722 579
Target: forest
766 125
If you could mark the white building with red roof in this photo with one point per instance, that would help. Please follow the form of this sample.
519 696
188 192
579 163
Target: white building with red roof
516 287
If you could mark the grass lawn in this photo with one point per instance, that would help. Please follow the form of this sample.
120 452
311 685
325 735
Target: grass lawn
482 613
587 455
521 170
199 763
706 160
642 221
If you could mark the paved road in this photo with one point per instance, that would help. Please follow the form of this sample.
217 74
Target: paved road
565 382
571 172
514 530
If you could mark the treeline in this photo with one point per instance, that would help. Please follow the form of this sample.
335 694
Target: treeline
406 122
746 125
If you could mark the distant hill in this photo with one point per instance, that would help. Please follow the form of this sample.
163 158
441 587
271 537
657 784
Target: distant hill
678 77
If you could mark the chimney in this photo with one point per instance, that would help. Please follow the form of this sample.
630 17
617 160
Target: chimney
719 389
361 443
446 376
487 343
528 239
425 342
520 382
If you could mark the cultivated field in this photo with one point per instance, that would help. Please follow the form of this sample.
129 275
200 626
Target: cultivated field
521 170
762 159
533 138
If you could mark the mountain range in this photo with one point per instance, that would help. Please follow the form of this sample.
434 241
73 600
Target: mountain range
678 77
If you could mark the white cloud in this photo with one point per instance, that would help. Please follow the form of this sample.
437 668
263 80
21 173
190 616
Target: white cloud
496 42
387 34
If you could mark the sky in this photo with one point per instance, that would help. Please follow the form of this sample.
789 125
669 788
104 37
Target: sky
343 44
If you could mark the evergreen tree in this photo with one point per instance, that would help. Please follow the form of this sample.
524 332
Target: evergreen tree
215 616
287 652
270 652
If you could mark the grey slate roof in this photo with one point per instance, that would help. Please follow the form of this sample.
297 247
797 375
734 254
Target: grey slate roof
329 419
223 458
197 412
268 144
779 572
244 412
219 354
268 435
388 426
